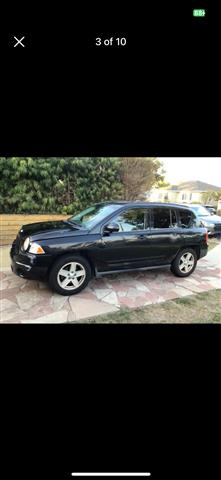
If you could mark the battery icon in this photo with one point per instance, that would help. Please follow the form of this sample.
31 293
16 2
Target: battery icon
199 12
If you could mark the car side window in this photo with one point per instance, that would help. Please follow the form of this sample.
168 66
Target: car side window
164 218
132 219
187 218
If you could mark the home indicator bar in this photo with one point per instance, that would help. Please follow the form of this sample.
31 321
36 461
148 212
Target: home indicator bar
111 474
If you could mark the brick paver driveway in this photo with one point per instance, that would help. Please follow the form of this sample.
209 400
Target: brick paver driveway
25 301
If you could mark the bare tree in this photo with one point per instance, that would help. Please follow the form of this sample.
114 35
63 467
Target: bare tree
138 175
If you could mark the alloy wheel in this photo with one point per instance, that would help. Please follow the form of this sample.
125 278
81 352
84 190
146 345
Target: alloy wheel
186 262
71 276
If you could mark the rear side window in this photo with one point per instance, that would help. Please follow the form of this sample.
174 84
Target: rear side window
164 218
187 218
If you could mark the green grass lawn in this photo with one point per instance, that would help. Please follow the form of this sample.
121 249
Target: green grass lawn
198 308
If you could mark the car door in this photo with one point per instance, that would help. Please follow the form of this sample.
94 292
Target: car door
127 248
166 235
189 224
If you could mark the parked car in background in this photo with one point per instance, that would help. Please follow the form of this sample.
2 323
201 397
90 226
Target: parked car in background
211 209
210 221
107 238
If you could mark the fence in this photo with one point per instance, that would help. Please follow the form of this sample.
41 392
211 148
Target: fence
10 224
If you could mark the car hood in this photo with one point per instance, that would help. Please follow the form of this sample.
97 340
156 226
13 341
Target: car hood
211 218
52 229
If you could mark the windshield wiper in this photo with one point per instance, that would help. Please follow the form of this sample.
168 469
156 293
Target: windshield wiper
70 222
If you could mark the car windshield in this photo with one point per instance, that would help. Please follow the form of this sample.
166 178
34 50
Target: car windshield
201 211
94 214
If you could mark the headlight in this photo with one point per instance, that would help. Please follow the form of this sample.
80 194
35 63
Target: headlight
208 225
26 244
36 248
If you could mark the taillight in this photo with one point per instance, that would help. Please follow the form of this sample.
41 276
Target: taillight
206 237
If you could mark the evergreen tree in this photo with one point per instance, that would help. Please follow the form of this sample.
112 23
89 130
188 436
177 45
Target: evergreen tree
69 184
57 185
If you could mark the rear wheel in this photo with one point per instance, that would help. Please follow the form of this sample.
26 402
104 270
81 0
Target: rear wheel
69 275
184 263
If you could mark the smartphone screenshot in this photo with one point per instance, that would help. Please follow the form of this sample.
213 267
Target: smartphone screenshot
110 240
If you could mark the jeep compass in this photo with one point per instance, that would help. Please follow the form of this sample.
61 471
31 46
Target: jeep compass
109 237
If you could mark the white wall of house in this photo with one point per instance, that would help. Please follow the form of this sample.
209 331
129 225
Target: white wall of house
190 197
164 195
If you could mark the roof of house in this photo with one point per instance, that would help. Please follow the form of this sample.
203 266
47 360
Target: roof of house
195 186
191 186
173 187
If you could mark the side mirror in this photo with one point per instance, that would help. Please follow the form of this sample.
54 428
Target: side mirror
111 228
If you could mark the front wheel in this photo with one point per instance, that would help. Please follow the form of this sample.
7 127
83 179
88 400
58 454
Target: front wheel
69 275
184 263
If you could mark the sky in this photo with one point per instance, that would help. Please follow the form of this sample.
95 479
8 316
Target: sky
182 169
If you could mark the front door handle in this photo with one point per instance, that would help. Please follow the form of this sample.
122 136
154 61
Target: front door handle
141 236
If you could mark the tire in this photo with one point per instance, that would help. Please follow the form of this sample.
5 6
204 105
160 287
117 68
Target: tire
74 268
182 269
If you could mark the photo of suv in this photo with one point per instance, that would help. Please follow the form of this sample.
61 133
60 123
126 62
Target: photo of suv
109 237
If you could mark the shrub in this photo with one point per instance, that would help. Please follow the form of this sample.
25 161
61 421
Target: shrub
57 185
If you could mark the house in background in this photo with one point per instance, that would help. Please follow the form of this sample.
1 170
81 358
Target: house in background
185 192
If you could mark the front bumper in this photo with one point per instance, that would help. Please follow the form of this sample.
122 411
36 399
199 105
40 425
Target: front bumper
214 230
29 265
217 229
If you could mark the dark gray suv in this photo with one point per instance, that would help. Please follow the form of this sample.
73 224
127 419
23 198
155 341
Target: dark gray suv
210 221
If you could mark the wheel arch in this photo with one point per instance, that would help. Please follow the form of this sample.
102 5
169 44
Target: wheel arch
196 248
78 252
